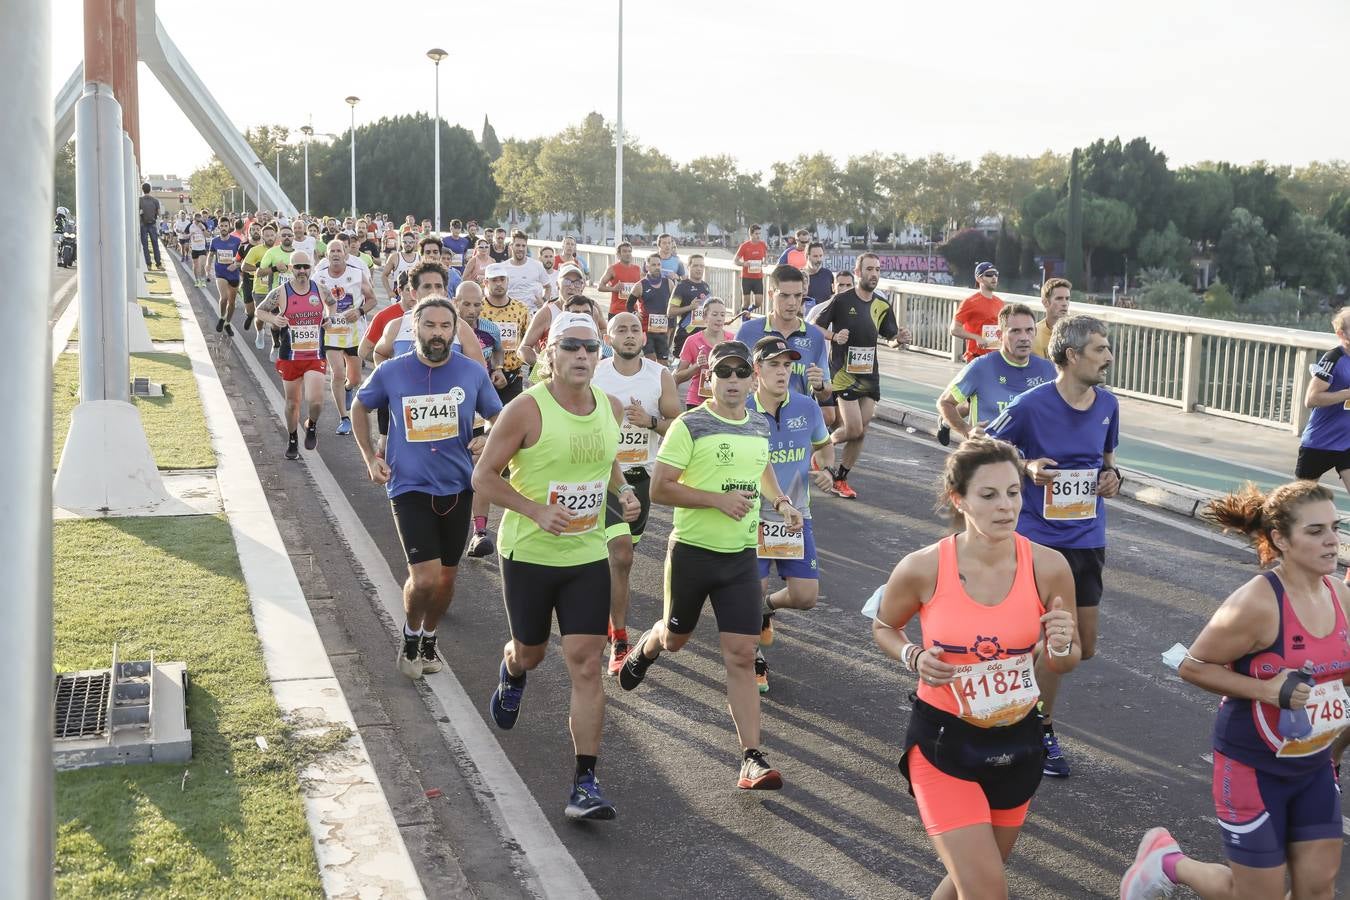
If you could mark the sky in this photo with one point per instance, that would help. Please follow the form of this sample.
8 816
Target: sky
765 81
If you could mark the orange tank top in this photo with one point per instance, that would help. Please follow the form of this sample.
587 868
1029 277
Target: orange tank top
991 646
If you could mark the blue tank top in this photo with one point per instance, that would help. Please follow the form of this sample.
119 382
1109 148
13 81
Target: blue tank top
1247 730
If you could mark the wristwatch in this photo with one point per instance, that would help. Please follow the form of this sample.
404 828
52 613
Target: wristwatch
624 489
656 420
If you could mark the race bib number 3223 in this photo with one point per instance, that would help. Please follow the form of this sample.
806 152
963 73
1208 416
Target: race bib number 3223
584 500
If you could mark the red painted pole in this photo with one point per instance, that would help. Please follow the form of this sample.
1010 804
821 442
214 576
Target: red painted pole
98 42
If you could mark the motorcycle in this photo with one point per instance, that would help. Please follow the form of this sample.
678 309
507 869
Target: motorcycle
64 239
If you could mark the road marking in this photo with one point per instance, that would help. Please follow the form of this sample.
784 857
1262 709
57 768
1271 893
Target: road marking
552 870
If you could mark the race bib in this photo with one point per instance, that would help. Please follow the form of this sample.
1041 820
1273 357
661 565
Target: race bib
657 323
705 383
304 340
1329 710
456 259
338 327
996 693
634 445
510 332
626 287
224 257
198 242
777 542
990 333
585 501
1072 495
698 322
754 266
430 417
861 360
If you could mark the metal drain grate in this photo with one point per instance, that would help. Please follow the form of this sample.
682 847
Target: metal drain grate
82 704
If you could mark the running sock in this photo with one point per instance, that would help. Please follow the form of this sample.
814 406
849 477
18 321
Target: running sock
480 524
586 765
408 632
1169 864
841 473
618 634
768 607
294 437
428 632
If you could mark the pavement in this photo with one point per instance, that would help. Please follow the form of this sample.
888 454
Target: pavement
844 826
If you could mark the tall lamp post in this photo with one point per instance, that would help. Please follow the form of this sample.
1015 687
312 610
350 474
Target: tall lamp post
278 148
436 54
261 169
352 101
618 146
308 132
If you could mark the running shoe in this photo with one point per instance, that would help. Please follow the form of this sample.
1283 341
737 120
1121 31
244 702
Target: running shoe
248 320
480 545
766 632
345 426
587 802
1055 765
944 434
505 704
311 435
229 330
293 448
757 774
274 355
258 341
431 660
761 672
220 325
1145 879
841 489
618 652
635 665
410 656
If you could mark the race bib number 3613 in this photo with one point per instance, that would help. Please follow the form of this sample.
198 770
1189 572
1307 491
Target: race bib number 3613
1072 495
584 500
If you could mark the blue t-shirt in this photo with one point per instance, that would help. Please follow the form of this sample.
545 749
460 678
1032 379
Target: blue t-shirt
458 245
438 467
990 382
1040 424
453 282
793 434
808 340
229 243
819 288
1328 427
673 267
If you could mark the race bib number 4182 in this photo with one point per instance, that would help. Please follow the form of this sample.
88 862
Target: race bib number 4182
996 693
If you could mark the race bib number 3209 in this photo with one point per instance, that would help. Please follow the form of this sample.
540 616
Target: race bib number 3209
584 500
776 541
1072 495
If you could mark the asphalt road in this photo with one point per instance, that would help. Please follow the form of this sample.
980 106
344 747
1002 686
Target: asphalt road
844 826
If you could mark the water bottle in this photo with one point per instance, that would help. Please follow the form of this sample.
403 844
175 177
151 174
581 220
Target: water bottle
1295 723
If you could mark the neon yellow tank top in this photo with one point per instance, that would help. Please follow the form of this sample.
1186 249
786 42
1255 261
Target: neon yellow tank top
570 464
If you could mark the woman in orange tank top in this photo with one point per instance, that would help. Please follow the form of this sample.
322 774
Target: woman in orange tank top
992 607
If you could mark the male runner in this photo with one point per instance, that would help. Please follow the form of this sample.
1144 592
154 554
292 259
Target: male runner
713 468
469 303
647 392
620 278
198 236
670 262
512 319
560 440
976 318
571 285
1067 431
988 383
853 323
526 279
272 269
429 249
547 258
296 309
456 247
499 251
1055 298
686 302
794 254
352 297
750 256
569 255
401 260
654 292
260 240
819 280
225 256
427 467
1326 438
797 440
787 288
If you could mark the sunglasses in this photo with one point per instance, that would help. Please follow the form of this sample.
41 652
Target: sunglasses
989 275
300 268
572 345
726 371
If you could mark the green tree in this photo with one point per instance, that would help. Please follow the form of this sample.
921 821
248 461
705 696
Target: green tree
1201 203
1245 251
1310 253
753 201
1338 213
948 195
651 194
1311 187
576 168
1034 209
1169 296
1135 174
788 210
707 193
862 191
1008 253
63 178
1257 189
813 185
488 143
1167 249
963 250
1003 182
1073 224
516 174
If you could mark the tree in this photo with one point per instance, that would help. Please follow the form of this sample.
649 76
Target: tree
812 183
1104 224
1135 174
1035 208
516 173
488 143
1167 249
1257 189
1310 253
63 178
652 196
1003 182
1338 213
964 249
1073 224
753 202
707 192
1311 187
1244 251
948 195
787 209
861 190
1008 253
1201 203
576 169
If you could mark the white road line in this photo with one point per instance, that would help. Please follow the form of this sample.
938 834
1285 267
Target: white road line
554 872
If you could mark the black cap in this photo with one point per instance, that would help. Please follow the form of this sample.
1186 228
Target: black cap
729 350
772 345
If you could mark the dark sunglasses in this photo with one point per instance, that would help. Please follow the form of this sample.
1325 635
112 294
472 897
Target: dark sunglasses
727 371
989 275
572 345
300 268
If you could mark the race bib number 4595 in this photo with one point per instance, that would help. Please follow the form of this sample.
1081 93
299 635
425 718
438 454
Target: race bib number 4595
584 500
1072 495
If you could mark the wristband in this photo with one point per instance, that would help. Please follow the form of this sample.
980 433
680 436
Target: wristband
1116 469
782 499
623 489
1068 648
656 420
904 656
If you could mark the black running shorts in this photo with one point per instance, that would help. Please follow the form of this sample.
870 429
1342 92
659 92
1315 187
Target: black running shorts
433 527
533 593
729 580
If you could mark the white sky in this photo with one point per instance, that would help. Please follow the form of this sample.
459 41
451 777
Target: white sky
1201 79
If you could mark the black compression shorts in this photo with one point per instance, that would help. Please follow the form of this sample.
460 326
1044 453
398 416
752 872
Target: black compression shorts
729 580
433 527
533 593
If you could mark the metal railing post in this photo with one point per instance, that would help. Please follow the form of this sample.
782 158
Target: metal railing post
1298 412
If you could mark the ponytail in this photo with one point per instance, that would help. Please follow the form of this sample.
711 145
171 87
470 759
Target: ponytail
1258 515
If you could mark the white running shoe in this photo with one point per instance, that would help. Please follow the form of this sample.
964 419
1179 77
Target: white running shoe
1145 880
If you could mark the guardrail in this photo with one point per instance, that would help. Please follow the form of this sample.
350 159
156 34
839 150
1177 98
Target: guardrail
1252 373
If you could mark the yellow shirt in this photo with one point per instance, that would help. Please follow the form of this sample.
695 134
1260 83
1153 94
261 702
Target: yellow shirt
1041 345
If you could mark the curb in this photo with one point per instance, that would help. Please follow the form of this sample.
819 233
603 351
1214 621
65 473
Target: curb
357 843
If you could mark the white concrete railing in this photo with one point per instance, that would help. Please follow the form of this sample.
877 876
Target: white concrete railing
1253 373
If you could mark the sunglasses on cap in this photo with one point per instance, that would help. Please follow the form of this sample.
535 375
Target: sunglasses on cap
726 370
572 345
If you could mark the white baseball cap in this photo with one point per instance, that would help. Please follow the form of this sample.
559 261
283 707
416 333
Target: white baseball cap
563 321
497 270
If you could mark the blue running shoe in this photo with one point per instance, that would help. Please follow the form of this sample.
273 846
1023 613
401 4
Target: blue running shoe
1055 765
344 427
587 802
505 705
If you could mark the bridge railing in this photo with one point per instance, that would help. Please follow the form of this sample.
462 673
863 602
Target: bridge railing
1252 373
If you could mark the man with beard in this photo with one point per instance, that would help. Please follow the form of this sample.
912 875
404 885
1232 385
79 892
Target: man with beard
352 297
274 266
260 240
686 303
499 251
527 281
427 468
295 310
401 260
456 247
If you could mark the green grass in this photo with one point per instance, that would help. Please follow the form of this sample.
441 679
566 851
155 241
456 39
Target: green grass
174 424
164 323
236 828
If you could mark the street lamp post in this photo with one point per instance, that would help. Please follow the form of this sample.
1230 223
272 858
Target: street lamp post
436 54
277 148
618 146
233 208
259 164
308 132
352 101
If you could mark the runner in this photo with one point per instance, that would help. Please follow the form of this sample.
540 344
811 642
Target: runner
750 256
499 252
271 269
571 287
829 406
180 228
819 280
647 392
1275 796
512 320
988 383
295 308
694 366
560 440
456 247
198 236
976 318
260 240
352 297
225 255
527 281
686 303
653 292
1326 438
670 262
401 260
713 468
988 601
569 255
853 323
1067 432
469 303
787 291
547 258
476 268
428 467
620 278
794 254
798 444
429 249
1055 298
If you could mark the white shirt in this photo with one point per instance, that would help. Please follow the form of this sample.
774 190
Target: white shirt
306 244
526 282
645 387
